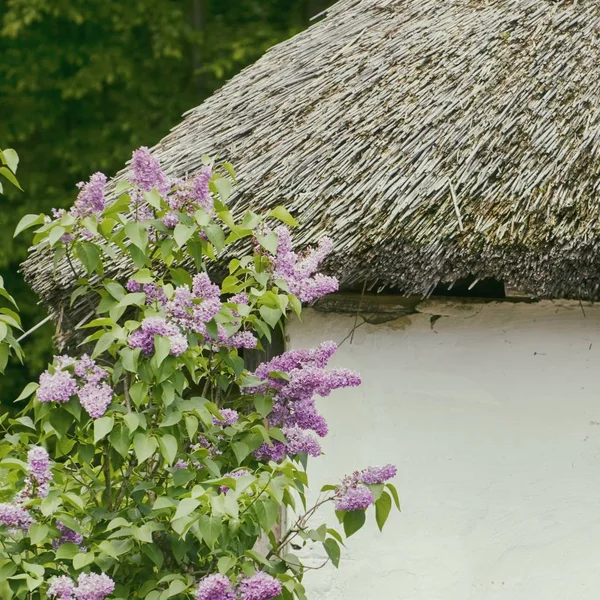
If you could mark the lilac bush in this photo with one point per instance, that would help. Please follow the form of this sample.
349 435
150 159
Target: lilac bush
152 465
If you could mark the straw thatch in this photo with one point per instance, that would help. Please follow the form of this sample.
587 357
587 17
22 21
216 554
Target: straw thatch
431 139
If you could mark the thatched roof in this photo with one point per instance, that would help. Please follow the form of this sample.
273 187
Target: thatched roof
431 139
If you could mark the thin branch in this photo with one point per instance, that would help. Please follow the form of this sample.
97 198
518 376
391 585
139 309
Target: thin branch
35 328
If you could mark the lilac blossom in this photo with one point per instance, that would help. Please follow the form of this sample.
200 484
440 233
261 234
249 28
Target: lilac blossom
61 588
356 498
170 220
375 475
94 587
240 298
90 200
95 398
140 209
133 286
296 359
144 336
154 293
236 475
193 193
202 287
14 516
242 339
215 587
67 536
146 172
56 387
298 440
296 377
229 415
298 271
275 451
260 586
193 309
88 370
38 465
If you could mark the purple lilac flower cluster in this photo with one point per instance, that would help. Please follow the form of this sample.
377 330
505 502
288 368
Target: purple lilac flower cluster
260 586
37 483
40 476
215 587
190 195
90 200
89 587
144 336
14 516
229 415
298 270
146 172
353 493
154 292
193 308
296 376
86 380
67 536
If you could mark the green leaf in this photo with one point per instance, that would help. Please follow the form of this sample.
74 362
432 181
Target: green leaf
55 234
144 446
142 534
89 255
182 233
29 389
185 507
225 564
102 427
270 315
269 242
67 551
394 492
103 344
267 512
138 234
168 447
154 553
10 176
116 290
210 528
240 450
353 521
162 347
83 559
191 424
28 221
38 533
216 236
263 404
281 213
138 392
224 188
333 551
383 506
11 158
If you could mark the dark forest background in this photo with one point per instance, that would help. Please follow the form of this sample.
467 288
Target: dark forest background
84 82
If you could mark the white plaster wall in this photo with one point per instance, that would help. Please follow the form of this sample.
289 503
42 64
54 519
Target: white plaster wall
493 419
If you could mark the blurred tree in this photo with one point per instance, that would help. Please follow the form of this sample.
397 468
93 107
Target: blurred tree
84 82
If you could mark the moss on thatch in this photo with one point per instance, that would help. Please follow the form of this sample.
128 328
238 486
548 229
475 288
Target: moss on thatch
431 139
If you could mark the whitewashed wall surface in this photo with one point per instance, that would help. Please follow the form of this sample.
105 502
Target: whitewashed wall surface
492 415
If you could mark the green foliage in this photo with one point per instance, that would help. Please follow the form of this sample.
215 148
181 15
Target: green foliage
162 489
83 82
